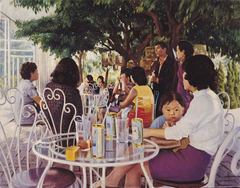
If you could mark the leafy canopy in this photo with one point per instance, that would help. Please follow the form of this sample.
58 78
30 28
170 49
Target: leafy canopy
128 26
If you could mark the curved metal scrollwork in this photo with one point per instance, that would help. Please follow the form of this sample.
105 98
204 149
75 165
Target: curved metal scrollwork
91 88
229 119
226 146
51 96
3 98
111 86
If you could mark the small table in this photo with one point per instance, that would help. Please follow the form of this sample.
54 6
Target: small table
116 154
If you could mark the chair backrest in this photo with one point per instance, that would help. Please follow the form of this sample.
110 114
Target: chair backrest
230 143
57 113
12 100
92 88
230 140
14 155
229 119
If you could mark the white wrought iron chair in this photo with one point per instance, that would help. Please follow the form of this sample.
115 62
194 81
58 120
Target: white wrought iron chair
228 117
13 99
57 112
92 88
21 169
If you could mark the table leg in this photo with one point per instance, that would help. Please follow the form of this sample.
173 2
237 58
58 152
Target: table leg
146 176
84 177
91 178
103 176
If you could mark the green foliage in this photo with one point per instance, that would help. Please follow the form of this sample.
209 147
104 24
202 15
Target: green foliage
95 68
236 82
124 25
229 87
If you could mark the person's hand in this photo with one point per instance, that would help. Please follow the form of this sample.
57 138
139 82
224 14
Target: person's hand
118 81
146 132
168 124
157 80
153 79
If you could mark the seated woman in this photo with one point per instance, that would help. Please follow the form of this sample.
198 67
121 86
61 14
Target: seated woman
101 83
203 123
141 90
64 77
29 73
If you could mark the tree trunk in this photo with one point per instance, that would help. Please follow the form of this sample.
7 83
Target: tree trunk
80 65
106 78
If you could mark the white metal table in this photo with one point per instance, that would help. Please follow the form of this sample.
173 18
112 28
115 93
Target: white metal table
116 154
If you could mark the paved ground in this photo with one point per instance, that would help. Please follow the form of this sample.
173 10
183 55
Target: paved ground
224 178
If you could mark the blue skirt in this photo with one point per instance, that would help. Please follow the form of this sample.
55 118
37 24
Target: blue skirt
185 165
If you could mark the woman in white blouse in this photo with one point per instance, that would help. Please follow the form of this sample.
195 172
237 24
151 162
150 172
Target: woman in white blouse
203 124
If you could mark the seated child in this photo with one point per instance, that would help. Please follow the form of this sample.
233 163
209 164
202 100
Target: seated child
172 107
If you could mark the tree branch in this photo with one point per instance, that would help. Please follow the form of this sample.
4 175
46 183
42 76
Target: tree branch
193 19
153 16
141 46
230 21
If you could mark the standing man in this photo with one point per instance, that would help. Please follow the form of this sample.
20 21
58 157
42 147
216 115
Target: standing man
165 73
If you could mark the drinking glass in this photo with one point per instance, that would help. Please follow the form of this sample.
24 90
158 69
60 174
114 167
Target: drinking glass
83 134
122 129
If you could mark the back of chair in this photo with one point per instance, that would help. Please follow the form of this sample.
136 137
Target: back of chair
12 100
57 113
92 88
229 119
14 158
229 143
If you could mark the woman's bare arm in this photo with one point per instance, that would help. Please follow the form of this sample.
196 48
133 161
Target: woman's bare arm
148 132
132 94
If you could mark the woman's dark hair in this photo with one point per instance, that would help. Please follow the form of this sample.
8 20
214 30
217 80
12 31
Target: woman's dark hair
200 72
169 97
26 69
139 76
187 47
89 77
66 72
101 78
127 72
163 45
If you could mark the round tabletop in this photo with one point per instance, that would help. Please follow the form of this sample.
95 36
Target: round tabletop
116 154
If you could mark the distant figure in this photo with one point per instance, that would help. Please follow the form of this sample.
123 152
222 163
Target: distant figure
29 73
165 73
184 50
92 86
82 87
101 83
121 90
65 77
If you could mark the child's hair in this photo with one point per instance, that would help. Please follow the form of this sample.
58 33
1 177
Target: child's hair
169 97
200 72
